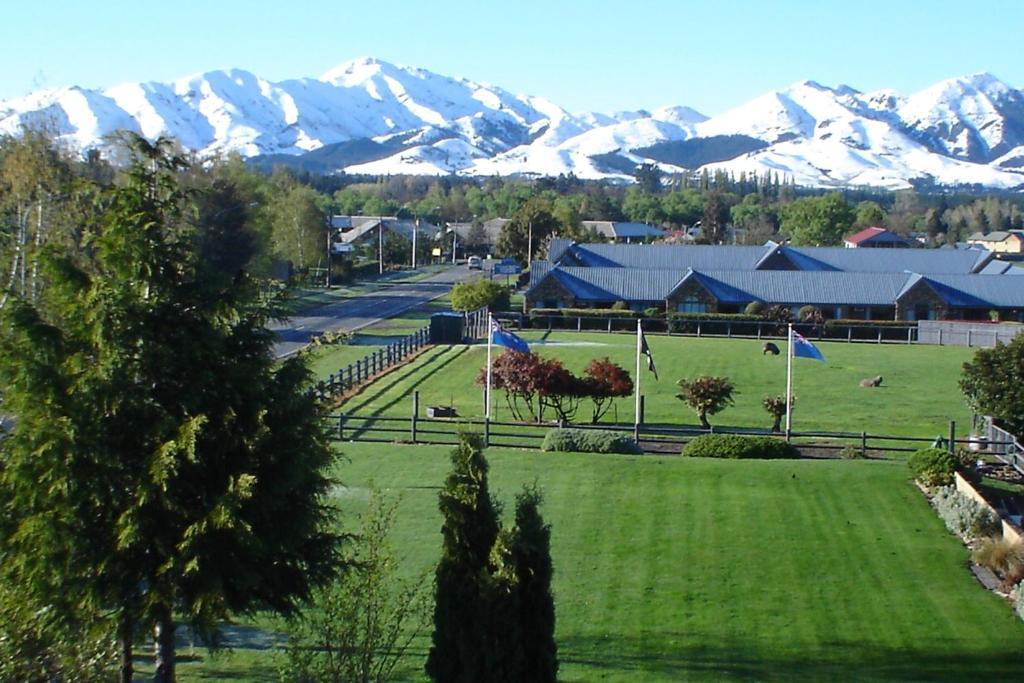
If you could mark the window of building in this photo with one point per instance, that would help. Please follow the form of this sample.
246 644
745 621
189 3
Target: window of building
692 304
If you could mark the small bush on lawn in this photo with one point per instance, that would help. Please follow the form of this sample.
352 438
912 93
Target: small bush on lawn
964 516
739 447
852 453
589 441
933 466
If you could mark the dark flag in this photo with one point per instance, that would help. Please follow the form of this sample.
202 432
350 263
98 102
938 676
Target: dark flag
646 350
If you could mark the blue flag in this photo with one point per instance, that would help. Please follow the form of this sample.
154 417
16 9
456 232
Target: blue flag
804 348
501 337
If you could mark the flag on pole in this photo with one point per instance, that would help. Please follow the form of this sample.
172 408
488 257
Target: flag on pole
646 350
501 337
804 348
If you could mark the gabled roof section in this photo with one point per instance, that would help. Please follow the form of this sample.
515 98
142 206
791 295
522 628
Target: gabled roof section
677 257
875 234
978 291
556 248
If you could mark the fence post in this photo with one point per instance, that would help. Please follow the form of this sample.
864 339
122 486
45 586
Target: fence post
940 336
579 323
969 337
849 334
759 330
609 325
864 444
728 329
908 334
415 412
698 328
487 432
879 335
341 427
952 436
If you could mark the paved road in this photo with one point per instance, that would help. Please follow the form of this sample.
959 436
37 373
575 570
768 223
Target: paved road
357 312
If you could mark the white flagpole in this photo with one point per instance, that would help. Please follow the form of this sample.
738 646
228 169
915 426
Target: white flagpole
636 382
789 380
487 392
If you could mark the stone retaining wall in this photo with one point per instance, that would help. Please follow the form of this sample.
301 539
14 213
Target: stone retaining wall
1010 531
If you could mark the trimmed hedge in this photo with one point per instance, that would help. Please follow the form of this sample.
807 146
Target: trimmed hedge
933 466
742 317
589 441
583 313
737 447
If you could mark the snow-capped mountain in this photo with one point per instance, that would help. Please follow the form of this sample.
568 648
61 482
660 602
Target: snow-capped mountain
368 116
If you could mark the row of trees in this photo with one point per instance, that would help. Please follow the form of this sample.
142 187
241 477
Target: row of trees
533 384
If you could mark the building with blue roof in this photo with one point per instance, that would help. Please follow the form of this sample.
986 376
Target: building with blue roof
876 284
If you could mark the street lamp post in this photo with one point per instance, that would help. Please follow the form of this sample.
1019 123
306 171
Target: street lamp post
455 243
415 231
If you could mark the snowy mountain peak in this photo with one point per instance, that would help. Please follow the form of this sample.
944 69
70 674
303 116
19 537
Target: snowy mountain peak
370 116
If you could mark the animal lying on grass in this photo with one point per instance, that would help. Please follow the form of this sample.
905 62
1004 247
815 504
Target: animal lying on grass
872 382
771 348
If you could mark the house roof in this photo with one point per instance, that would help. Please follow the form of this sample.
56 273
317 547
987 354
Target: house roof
874 234
827 288
718 257
995 236
623 230
361 225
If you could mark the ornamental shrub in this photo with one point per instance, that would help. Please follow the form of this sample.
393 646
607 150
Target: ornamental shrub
964 516
999 554
933 466
737 447
1020 600
589 441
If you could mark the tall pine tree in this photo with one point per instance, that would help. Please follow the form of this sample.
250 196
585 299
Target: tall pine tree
163 466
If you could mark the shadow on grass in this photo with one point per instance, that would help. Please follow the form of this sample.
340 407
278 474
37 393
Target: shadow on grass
940 661
437 362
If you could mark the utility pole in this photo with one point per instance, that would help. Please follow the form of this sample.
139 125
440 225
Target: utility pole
455 244
380 246
328 252
415 231
529 244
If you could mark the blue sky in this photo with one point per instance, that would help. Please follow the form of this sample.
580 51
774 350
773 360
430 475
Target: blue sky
596 55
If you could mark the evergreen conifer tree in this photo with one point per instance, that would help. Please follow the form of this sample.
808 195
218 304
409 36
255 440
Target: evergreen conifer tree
461 640
162 466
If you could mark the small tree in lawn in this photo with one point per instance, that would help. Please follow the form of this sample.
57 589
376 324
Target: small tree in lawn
558 389
776 407
469 296
516 374
604 382
530 556
469 528
706 395
360 626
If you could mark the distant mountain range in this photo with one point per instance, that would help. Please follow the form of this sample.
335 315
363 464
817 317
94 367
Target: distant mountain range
369 116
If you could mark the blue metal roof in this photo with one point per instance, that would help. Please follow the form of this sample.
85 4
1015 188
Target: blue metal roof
791 287
721 257
974 291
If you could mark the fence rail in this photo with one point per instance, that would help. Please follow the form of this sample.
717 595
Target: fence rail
371 365
1004 445
658 438
751 329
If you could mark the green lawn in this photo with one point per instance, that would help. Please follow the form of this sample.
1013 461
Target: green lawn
918 398
676 569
